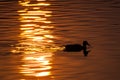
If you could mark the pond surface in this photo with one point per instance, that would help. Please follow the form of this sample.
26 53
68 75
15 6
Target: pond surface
33 33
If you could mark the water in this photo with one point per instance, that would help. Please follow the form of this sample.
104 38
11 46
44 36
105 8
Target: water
33 32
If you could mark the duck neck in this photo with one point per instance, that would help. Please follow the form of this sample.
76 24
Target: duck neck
84 46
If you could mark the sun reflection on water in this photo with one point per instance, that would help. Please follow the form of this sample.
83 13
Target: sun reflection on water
36 35
36 66
36 39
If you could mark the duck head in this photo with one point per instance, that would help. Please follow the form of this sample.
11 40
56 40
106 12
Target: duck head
85 43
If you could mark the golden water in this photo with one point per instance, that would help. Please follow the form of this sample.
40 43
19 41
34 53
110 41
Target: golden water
34 32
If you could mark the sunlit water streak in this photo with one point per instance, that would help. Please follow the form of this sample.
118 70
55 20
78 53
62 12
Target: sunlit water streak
35 27
35 38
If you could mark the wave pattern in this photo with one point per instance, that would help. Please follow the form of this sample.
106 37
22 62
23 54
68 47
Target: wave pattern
32 33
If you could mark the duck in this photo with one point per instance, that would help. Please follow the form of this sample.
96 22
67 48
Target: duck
77 47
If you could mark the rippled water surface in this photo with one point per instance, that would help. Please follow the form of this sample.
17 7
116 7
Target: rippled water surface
33 33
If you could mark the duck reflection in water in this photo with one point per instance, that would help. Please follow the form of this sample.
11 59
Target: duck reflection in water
77 48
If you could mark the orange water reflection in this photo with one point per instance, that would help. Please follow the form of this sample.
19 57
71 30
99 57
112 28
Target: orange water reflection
36 65
36 40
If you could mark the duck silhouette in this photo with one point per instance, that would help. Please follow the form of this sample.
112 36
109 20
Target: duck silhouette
77 48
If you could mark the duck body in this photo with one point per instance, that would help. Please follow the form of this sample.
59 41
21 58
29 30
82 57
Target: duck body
73 48
77 48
